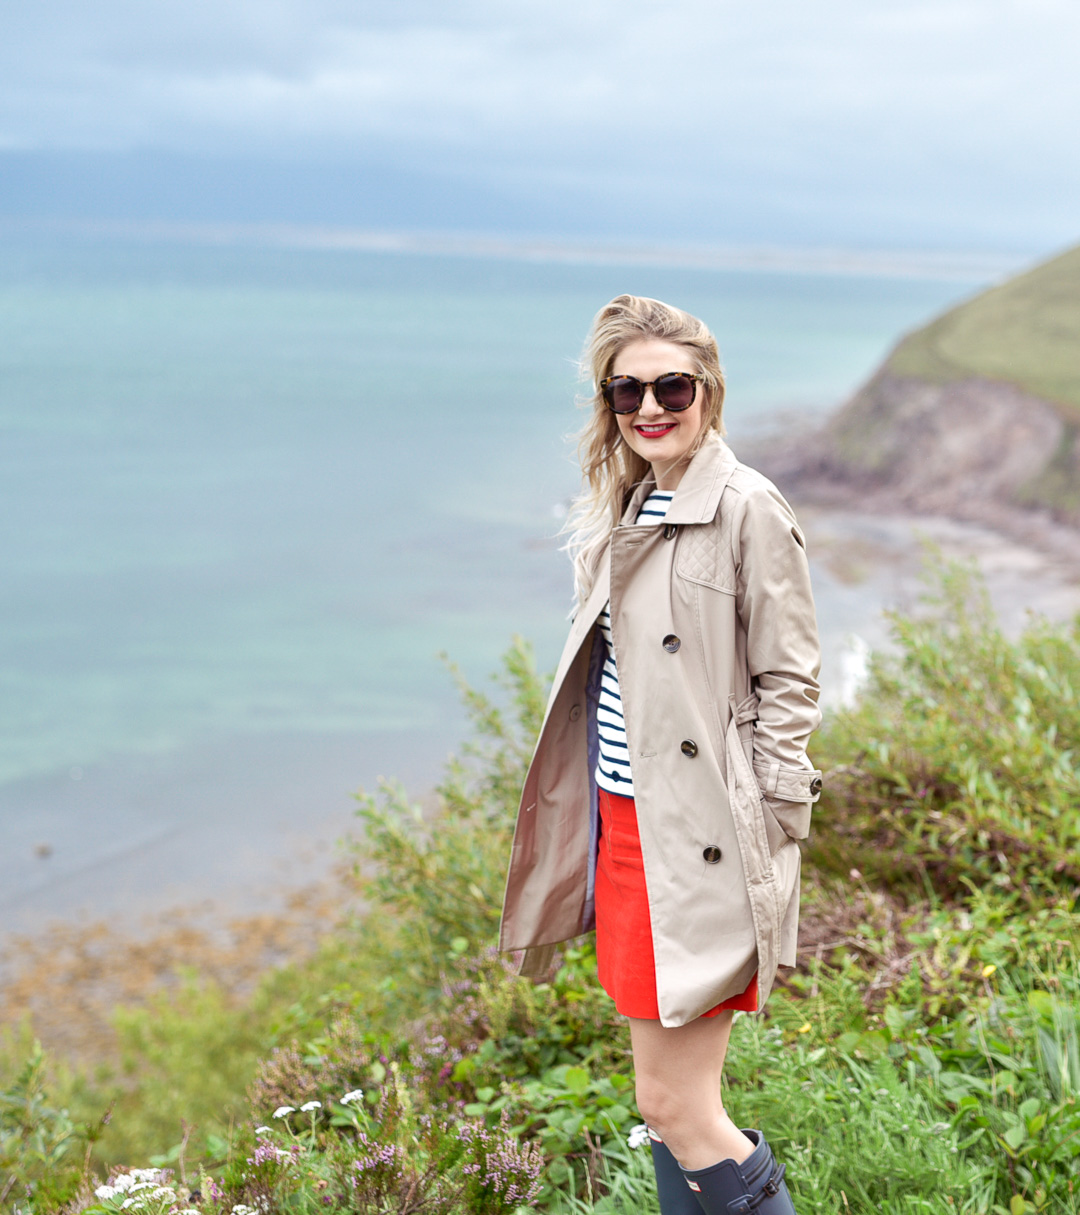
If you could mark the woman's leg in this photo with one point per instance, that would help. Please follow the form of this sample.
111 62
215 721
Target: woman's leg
678 1093
678 1089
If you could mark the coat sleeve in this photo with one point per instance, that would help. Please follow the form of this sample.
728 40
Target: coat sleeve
776 609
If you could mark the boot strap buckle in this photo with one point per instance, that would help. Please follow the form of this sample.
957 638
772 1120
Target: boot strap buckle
772 1186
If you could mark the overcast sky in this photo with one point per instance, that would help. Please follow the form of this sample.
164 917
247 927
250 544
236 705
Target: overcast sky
951 122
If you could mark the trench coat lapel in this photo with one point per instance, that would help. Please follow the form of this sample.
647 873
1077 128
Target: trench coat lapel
698 495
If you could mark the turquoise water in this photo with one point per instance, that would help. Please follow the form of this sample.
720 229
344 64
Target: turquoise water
250 494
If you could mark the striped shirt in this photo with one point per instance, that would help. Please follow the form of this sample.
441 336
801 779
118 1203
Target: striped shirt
613 765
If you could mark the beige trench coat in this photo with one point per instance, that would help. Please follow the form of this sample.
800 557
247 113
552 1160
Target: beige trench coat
716 644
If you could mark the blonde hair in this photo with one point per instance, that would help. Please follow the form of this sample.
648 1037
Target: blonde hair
609 468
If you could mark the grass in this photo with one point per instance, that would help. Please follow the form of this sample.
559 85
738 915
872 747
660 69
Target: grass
1025 331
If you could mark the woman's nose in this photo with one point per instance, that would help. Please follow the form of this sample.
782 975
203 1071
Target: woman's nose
650 407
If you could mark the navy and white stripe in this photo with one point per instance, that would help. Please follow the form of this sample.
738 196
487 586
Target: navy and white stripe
613 765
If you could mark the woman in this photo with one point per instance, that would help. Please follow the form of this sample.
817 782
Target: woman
670 781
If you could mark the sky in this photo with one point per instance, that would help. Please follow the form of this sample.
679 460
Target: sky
945 124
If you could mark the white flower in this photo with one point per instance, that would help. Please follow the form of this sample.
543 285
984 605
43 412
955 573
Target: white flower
308 1106
356 1095
639 1136
263 1130
106 1191
126 1203
283 1111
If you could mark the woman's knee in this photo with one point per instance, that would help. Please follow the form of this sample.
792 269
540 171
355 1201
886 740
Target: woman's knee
667 1108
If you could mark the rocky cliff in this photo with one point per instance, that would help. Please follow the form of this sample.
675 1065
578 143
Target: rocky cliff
977 415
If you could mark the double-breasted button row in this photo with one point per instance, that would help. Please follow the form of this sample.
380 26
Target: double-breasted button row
671 643
712 854
688 747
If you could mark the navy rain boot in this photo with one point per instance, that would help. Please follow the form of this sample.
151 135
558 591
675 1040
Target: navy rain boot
676 1197
755 1187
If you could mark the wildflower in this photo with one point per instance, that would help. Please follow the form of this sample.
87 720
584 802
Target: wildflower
263 1130
804 1029
308 1106
638 1137
357 1094
283 1111
107 1191
988 970
265 1152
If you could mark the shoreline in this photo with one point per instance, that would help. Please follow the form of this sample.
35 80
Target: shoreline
238 823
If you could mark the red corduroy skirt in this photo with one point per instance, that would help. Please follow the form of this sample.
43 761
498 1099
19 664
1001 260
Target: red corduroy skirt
624 949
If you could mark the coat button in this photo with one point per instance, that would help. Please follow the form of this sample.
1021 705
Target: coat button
712 854
575 712
688 747
815 786
670 531
671 643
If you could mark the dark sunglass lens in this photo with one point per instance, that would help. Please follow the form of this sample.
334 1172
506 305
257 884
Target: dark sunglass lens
623 394
675 391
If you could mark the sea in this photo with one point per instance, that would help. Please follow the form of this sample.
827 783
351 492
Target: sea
254 497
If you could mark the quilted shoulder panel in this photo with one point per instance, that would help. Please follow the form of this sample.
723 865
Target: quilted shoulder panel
704 550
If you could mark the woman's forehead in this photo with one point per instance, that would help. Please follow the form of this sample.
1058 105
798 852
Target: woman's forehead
653 354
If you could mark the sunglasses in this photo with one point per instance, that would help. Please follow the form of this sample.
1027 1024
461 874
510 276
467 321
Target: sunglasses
674 391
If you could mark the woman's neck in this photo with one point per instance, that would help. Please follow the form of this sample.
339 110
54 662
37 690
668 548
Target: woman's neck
667 477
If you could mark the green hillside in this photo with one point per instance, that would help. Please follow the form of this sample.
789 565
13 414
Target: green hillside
1025 331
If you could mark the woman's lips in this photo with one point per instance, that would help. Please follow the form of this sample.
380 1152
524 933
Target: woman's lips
655 431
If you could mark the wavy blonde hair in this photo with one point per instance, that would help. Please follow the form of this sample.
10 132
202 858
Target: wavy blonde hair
609 468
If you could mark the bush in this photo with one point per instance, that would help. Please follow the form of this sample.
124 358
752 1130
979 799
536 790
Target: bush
41 1157
437 879
959 765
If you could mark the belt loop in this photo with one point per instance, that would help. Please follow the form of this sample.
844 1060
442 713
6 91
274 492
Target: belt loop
774 778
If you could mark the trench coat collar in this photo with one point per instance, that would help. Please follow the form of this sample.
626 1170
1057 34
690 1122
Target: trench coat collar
698 494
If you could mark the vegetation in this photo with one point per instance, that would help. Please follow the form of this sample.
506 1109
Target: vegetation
1023 331
926 1057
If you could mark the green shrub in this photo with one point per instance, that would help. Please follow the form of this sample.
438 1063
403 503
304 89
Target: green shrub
437 878
42 1163
960 765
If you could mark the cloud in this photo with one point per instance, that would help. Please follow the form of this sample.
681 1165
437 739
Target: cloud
898 98
557 73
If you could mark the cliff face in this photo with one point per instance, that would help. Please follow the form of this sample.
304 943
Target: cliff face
976 414
941 447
